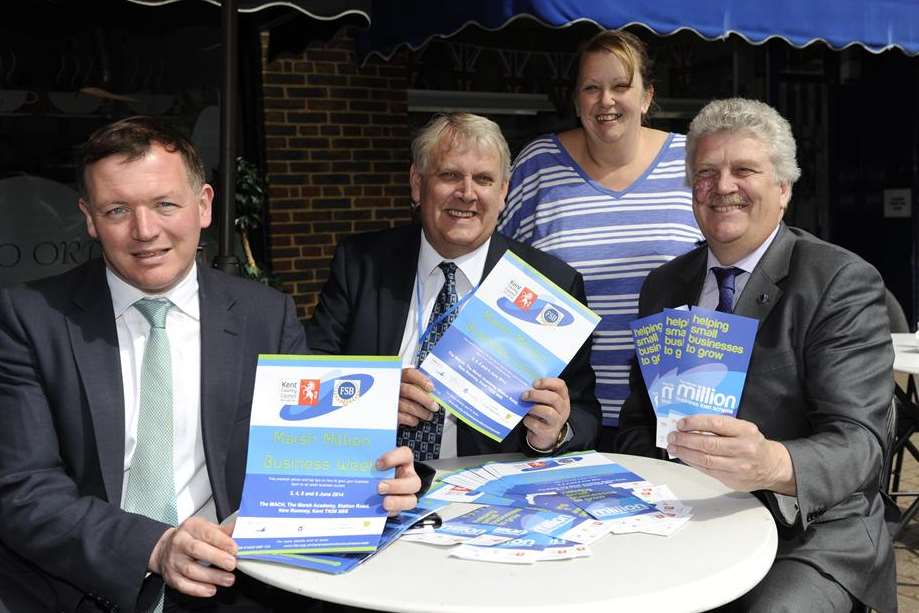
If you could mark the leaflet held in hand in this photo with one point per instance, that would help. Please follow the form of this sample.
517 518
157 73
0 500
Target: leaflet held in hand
318 425
693 362
518 326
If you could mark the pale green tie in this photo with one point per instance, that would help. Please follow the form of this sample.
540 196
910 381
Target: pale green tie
151 482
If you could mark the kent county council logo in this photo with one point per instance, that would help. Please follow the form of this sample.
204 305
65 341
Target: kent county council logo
529 307
299 391
309 398
525 299
309 392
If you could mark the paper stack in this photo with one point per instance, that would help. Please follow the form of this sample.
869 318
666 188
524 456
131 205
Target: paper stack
549 509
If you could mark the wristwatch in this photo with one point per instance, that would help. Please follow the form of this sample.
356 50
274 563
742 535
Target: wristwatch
564 435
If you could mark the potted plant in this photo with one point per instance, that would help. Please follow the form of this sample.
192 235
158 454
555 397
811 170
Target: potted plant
250 202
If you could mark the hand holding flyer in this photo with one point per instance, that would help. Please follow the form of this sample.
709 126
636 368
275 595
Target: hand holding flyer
518 326
318 425
693 362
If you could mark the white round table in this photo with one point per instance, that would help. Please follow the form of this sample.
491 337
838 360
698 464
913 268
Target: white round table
906 353
722 552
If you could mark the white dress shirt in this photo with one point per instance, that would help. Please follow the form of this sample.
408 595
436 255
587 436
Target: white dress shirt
429 279
193 487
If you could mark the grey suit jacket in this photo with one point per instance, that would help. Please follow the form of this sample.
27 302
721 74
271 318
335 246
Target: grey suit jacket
364 306
63 537
820 381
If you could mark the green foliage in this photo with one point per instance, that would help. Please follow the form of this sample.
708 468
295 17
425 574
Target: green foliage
250 202
250 196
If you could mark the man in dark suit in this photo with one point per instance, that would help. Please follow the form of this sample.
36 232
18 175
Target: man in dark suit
76 443
811 433
384 286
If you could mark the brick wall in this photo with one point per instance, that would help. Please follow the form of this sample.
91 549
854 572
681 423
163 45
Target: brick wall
337 156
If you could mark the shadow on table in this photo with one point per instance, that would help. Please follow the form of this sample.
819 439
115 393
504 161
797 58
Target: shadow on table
704 509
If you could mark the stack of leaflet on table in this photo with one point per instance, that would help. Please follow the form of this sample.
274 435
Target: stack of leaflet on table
549 509
693 362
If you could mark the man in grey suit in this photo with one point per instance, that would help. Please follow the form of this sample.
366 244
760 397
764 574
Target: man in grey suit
811 432
83 432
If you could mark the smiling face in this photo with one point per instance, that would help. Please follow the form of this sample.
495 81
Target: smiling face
736 198
610 99
460 197
147 216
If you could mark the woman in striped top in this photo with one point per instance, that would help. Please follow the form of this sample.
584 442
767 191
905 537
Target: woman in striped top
608 198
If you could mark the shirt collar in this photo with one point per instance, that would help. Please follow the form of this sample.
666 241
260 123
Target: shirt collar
184 295
472 264
749 262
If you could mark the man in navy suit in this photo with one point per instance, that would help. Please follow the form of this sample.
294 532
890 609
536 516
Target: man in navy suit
383 288
71 400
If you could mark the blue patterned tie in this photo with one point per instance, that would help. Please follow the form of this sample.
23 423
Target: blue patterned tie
151 481
725 278
424 439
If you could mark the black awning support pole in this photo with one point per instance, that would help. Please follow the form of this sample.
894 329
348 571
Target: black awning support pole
226 259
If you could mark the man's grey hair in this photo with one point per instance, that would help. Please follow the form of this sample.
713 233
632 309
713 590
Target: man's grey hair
752 116
459 129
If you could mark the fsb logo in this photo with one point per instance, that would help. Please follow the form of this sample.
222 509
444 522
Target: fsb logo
549 316
346 392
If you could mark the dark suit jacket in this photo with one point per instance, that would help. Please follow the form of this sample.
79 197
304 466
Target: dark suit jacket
63 537
819 381
365 303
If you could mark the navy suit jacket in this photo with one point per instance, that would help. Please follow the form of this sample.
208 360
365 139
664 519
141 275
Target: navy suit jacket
63 537
364 306
820 381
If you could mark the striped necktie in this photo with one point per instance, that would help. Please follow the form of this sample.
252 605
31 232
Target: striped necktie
424 439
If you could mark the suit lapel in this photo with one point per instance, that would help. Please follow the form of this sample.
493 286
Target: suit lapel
396 280
762 292
94 339
496 249
222 330
686 288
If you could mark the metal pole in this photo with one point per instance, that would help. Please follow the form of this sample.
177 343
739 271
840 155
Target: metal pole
226 260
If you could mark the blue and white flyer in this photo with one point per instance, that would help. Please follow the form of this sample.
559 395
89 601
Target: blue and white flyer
518 326
318 425
713 367
335 564
704 356
648 335
515 522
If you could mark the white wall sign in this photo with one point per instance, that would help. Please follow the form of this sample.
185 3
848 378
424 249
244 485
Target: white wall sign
898 202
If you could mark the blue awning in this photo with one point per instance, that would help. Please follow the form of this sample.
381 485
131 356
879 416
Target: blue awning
877 25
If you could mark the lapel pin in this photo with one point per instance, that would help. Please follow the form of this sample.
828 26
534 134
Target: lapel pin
763 298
